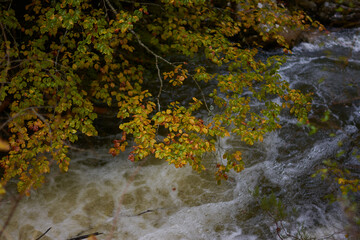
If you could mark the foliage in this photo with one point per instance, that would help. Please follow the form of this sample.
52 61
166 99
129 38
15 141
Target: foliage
61 58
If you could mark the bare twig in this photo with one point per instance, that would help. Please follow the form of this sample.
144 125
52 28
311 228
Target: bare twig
10 5
202 94
106 14
111 7
161 84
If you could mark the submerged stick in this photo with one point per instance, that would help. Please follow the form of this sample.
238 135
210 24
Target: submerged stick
85 236
43 233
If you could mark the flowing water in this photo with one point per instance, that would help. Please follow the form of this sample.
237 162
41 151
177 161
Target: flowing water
124 200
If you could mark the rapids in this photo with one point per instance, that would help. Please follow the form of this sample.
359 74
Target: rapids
125 200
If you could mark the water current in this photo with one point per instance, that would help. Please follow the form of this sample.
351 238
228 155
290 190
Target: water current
125 200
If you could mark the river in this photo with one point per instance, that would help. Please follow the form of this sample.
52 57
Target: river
125 200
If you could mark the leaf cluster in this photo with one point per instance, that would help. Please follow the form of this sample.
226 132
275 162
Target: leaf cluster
61 58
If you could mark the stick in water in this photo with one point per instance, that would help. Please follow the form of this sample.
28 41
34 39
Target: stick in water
43 233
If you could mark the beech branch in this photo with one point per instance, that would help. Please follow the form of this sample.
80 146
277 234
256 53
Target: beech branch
159 57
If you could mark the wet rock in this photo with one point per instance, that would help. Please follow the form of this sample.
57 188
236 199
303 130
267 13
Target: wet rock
332 13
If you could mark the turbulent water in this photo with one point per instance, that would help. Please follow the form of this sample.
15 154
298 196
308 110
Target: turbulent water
154 200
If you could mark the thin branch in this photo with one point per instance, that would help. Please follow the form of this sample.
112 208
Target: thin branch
45 121
41 118
161 84
143 3
106 10
55 63
8 65
10 5
8 31
202 94
12 118
138 38
62 44
19 114
111 7
148 49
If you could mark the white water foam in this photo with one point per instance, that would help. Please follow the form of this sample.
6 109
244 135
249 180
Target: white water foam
332 41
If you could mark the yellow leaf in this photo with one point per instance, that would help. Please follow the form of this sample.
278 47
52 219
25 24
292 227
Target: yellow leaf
122 148
2 190
4 146
205 130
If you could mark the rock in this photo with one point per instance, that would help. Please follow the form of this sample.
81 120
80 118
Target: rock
331 12
307 4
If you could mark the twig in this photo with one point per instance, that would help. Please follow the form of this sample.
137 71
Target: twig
202 94
161 84
42 119
10 5
62 44
43 234
46 122
106 11
8 65
143 3
19 114
111 7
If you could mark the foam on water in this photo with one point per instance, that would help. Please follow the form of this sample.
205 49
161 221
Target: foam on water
342 39
162 202
87 198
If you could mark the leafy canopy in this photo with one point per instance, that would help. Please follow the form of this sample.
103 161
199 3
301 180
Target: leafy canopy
58 59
